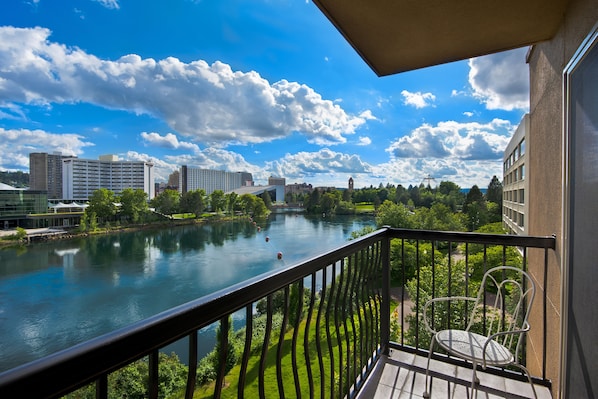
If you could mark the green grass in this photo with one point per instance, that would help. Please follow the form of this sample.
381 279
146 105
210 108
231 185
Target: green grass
364 207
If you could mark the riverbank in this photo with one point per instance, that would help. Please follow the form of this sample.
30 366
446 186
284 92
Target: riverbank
8 238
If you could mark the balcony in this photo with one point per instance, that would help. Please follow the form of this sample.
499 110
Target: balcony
352 335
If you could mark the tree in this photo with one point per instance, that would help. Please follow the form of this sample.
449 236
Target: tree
193 201
232 200
267 199
394 215
102 203
217 201
247 203
167 202
133 203
494 193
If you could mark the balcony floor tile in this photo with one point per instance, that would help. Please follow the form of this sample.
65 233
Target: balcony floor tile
402 375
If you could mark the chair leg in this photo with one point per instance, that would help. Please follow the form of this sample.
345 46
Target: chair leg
428 389
529 378
474 379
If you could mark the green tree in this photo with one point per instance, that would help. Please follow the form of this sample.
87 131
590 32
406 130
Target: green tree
133 203
494 193
247 203
394 215
267 199
167 202
193 201
102 204
217 201
259 208
232 200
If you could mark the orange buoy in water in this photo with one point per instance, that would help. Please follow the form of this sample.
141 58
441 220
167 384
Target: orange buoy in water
267 238
279 255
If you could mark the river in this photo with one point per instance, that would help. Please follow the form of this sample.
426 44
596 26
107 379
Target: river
56 294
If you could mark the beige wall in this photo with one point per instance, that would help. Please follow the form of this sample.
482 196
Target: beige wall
545 150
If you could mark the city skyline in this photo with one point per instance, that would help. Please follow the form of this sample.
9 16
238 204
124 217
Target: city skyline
268 88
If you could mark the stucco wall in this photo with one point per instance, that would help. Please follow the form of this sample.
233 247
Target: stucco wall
547 62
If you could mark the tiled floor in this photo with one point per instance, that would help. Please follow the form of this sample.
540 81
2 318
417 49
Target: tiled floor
402 375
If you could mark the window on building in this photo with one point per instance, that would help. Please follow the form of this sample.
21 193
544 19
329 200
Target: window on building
522 172
522 147
521 196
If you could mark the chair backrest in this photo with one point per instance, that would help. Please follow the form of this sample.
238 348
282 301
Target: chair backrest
503 304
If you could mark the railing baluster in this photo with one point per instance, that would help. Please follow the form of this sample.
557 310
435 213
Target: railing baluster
222 355
353 307
102 387
337 324
153 374
265 345
318 336
417 266
246 350
281 340
329 320
192 373
296 325
403 268
310 311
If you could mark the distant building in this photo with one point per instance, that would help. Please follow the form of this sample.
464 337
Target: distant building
45 173
211 180
81 177
276 181
351 183
298 188
515 185
17 205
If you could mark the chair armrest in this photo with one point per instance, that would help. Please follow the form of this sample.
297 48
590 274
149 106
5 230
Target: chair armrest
442 299
524 330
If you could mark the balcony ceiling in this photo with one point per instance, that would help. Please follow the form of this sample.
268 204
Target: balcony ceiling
395 36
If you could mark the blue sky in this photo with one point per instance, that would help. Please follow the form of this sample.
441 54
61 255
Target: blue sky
264 86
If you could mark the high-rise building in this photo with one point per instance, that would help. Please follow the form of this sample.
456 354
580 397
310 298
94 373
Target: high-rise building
515 185
45 173
211 180
81 177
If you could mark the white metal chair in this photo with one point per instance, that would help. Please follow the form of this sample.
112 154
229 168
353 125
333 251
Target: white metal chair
505 317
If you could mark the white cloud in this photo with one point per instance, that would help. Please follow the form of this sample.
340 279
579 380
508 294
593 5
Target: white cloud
207 103
306 165
501 80
364 141
168 141
468 114
464 141
16 144
418 99
113 4
463 173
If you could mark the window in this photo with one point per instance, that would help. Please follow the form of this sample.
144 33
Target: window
521 196
522 147
522 172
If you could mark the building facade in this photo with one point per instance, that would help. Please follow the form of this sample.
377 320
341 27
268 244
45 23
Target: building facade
515 185
17 206
45 173
211 180
81 177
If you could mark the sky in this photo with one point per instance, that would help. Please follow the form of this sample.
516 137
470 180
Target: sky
268 87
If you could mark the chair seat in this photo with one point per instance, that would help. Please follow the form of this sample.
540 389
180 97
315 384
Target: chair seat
469 345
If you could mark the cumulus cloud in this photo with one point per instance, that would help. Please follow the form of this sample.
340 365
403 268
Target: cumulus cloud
168 141
364 141
16 144
501 80
308 164
208 103
418 99
413 171
465 141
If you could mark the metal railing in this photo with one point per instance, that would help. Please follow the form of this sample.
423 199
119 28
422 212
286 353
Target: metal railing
313 329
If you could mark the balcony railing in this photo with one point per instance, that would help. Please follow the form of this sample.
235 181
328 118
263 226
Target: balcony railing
314 329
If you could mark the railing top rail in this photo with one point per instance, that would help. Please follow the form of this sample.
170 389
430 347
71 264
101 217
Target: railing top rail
548 242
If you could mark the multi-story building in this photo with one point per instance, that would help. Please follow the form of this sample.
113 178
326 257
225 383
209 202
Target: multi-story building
515 185
45 173
211 180
276 181
16 206
81 177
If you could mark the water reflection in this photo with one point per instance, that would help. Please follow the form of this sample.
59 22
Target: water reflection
57 294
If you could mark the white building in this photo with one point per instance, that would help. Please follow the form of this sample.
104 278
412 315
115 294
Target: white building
81 177
515 185
211 180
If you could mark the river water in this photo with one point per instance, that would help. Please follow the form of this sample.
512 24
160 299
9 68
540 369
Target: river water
54 295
